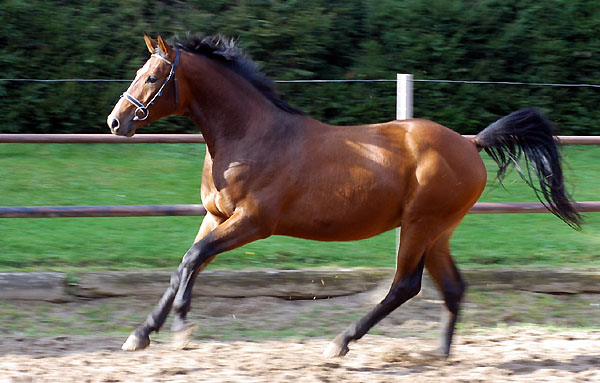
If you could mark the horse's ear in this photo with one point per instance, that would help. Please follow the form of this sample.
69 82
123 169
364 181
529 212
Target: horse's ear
150 42
166 48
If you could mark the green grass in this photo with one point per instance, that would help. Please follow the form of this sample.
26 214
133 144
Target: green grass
104 174
482 311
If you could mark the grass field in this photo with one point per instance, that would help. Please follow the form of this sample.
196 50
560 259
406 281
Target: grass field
104 174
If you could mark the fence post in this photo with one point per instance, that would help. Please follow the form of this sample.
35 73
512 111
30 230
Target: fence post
404 96
404 110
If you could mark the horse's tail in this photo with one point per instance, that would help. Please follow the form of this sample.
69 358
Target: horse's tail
527 132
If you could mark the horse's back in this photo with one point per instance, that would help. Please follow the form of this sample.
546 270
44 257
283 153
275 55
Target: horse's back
436 169
430 148
364 179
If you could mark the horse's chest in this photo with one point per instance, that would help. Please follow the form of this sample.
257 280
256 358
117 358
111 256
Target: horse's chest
218 203
224 204
222 192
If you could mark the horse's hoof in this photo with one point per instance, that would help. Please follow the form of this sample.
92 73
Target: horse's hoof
134 343
182 337
334 350
434 354
441 352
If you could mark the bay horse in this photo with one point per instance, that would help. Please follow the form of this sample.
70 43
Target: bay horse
272 170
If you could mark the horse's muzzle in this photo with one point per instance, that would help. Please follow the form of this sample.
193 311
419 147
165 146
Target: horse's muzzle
117 128
113 124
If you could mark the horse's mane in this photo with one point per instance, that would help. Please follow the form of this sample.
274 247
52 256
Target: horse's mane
224 51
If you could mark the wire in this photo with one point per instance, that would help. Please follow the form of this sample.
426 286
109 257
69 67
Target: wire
510 83
319 81
110 80
583 85
61 80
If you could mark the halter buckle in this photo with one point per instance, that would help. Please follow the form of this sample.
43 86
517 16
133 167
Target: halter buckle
144 111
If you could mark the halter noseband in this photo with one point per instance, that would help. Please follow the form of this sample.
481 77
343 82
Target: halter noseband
140 107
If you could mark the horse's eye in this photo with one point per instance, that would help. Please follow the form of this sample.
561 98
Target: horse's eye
151 79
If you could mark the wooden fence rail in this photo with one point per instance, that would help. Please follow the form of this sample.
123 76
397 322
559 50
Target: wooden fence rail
182 138
199 210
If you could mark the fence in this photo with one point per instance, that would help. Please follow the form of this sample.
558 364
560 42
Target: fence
198 210
403 111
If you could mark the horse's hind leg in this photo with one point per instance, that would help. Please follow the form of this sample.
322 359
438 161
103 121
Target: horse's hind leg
414 242
442 269
140 337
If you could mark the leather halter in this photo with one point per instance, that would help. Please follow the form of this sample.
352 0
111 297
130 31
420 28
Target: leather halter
140 107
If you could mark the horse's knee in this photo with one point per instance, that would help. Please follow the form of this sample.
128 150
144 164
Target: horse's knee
190 258
180 303
199 254
175 278
182 297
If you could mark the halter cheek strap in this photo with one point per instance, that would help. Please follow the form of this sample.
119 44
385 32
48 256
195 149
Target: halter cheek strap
141 111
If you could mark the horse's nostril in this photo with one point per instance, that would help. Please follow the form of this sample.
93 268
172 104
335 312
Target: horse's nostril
115 124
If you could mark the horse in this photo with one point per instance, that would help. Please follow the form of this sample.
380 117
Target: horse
270 169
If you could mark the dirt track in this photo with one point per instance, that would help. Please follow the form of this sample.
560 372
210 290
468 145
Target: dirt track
273 340
523 355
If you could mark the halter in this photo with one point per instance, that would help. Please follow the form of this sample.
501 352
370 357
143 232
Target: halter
144 108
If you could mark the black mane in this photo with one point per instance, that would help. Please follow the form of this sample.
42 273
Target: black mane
225 51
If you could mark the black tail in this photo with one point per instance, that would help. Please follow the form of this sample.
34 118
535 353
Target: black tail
527 132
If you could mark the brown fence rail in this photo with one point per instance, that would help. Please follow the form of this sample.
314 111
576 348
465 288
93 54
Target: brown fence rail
182 138
100 139
101 211
199 210
527 207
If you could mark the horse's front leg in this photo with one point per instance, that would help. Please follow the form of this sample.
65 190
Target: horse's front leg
140 337
236 231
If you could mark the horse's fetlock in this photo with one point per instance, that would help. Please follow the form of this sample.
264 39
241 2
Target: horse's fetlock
188 258
453 292
452 301
181 305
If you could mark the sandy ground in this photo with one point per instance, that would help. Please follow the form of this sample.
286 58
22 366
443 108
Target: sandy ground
498 356
273 340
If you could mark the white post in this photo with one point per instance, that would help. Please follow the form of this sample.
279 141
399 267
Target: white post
404 96
404 110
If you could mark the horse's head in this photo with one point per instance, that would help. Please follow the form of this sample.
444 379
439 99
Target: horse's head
152 94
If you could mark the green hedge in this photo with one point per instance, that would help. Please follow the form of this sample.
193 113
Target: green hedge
554 41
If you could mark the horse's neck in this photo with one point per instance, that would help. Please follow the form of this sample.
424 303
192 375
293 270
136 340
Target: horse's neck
225 107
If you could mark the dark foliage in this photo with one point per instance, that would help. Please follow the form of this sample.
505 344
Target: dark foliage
499 40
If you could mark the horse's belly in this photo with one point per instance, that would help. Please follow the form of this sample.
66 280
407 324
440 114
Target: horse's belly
341 222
